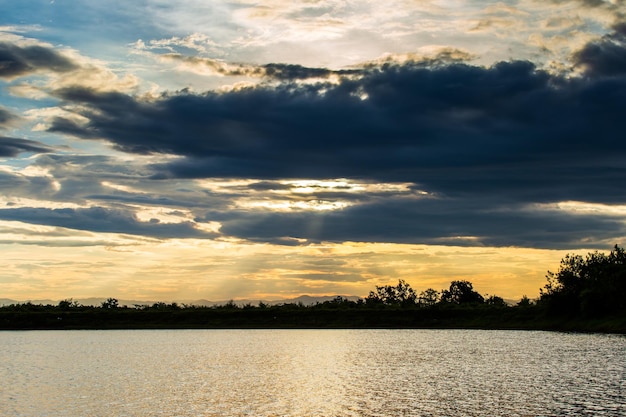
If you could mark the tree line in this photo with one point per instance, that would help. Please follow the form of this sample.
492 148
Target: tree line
590 286
584 289
401 295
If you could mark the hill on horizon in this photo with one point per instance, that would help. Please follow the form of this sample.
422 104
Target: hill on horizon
306 300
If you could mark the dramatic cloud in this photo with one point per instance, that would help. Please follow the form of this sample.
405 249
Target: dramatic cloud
97 219
431 221
19 60
5 117
289 147
10 147
31 69
605 57
272 71
510 129
484 146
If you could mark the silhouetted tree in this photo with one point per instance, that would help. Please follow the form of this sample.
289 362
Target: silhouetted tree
496 301
110 303
592 285
429 297
461 292
524 302
68 303
230 305
400 295
338 302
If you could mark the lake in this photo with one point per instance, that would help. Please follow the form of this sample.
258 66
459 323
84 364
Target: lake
311 373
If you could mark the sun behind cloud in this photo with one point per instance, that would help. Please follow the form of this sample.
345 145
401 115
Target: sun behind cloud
264 150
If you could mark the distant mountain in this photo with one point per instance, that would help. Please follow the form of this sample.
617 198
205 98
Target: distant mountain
6 301
9 301
309 300
306 300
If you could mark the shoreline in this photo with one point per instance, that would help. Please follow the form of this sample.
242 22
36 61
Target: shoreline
293 317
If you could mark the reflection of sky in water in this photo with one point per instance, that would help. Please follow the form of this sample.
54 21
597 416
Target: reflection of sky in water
311 373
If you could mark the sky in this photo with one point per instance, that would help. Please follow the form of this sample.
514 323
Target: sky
183 150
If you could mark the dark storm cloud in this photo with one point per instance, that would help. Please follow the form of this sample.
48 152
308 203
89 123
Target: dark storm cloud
510 129
298 72
411 115
620 30
96 179
276 71
18 60
15 185
606 56
452 221
104 220
595 3
100 167
5 117
11 147
488 143
611 5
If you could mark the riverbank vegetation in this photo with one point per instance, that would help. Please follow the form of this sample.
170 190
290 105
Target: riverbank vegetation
585 294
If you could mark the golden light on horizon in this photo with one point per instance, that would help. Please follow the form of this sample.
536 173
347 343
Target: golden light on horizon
127 267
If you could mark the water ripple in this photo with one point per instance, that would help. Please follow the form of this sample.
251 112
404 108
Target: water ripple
206 373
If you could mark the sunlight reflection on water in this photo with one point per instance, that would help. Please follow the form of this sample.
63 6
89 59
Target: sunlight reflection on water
311 373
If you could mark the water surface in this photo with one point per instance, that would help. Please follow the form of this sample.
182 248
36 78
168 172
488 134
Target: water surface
311 373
